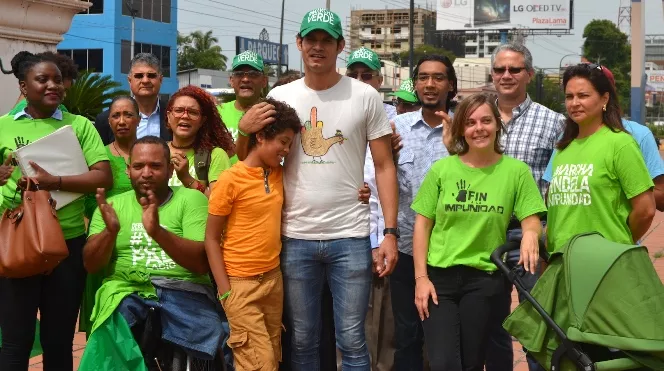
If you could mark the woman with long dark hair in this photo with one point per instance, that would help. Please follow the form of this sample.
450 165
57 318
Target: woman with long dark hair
599 178
201 145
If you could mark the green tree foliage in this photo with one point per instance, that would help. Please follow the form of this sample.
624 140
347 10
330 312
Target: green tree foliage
199 50
91 93
604 42
551 93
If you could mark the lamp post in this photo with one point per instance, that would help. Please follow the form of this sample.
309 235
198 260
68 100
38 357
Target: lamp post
560 67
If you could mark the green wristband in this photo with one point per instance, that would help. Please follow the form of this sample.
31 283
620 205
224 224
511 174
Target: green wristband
224 296
242 133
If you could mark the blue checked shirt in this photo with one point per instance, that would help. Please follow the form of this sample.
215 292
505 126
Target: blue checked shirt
531 136
376 219
422 146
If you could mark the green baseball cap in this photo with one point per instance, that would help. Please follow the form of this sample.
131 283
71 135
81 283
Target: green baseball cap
365 56
406 91
321 19
248 58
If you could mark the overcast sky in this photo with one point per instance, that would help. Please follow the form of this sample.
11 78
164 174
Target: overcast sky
230 18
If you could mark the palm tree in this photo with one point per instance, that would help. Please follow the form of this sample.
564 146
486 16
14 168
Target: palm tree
91 93
198 50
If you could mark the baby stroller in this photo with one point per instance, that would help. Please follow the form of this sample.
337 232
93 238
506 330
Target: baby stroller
598 306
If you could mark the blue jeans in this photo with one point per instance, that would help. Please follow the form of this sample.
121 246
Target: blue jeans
346 264
500 354
188 319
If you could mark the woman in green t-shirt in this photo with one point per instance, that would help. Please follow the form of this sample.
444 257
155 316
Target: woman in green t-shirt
57 295
123 119
197 128
599 180
463 209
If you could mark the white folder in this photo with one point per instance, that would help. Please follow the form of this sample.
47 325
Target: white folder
60 154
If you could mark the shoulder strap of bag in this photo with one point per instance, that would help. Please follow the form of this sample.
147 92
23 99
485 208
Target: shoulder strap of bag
202 159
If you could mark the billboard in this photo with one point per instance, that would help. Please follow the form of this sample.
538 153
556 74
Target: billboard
655 80
503 14
268 50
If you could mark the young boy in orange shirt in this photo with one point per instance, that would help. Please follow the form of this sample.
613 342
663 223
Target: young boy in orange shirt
243 243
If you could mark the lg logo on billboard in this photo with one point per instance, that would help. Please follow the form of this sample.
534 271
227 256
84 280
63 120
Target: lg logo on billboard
449 3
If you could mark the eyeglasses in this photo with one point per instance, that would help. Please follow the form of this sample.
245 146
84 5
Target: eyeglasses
365 76
592 66
151 75
512 70
437 77
249 74
180 111
397 102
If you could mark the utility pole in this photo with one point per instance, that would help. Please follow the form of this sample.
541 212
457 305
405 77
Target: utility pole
281 40
327 4
411 31
130 5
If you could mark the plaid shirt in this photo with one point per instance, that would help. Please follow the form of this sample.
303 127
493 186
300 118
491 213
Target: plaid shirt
531 136
422 146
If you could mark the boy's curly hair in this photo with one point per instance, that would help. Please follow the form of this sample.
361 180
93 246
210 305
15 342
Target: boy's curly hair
286 118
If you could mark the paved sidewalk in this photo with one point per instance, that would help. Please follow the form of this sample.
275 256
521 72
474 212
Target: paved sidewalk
654 240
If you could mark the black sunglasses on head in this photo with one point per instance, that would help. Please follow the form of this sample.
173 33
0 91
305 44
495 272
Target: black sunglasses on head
592 66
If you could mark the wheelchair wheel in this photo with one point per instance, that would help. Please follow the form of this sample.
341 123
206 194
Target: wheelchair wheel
195 364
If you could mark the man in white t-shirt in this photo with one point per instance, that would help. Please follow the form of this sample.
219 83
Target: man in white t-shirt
325 230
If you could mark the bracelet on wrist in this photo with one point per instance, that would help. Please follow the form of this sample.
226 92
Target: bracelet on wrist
420 276
190 183
224 296
242 133
59 183
201 187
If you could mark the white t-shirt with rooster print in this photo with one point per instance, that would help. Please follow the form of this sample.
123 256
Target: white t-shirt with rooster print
325 166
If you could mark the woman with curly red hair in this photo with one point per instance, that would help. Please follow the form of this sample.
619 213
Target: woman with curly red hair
201 145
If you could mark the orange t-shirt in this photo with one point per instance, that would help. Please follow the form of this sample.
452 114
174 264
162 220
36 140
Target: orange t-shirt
252 241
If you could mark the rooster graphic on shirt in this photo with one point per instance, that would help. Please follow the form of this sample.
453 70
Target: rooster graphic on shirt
313 142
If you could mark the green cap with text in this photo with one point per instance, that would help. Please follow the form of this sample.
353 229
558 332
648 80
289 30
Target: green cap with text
406 91
248 58
365 56
321 19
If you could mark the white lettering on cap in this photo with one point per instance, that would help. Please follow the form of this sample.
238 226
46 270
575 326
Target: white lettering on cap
362 53
321 15
248 56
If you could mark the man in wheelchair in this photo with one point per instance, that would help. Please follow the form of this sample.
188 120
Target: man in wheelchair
149 244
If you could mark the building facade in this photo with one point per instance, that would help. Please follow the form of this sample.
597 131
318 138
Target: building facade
655 50
386 32
100 38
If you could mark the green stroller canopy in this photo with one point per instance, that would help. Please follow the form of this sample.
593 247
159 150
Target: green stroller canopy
601 293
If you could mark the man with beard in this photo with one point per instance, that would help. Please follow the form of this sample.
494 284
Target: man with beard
248 81
145 80
421 134
152 239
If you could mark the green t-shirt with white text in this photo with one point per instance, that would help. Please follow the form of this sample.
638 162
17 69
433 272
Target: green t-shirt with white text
592 181
219 162
472 207
184 215
18 133
231 117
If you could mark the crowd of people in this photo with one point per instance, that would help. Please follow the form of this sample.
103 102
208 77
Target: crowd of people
274 231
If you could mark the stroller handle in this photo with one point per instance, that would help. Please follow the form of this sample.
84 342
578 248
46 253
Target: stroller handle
497 255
